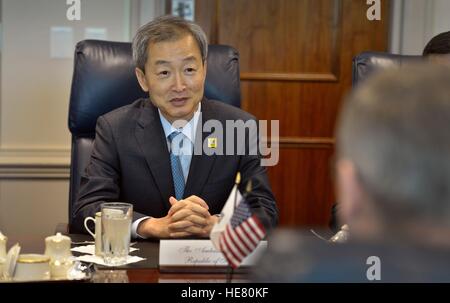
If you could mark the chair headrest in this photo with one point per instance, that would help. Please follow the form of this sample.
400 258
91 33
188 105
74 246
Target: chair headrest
104 79
366 63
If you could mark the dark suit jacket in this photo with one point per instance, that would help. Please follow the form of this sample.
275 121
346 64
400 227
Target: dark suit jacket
130 163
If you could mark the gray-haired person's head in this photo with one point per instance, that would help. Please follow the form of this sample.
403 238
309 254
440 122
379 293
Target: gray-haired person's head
395 129
166 28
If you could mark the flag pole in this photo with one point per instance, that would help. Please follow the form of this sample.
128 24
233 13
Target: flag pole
237 181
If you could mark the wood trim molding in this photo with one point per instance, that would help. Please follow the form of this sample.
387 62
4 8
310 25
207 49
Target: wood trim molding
306 142
290 77
39 173
30 163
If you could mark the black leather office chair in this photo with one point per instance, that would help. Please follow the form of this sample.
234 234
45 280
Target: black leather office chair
104 79
367 63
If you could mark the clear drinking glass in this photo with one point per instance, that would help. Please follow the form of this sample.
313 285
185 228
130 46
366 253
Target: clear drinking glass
116 231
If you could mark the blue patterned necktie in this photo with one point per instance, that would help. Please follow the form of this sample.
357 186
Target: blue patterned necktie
175 163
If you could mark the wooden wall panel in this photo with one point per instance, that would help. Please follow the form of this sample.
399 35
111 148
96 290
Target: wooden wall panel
275 27
296 64
206 17
301 183
304 110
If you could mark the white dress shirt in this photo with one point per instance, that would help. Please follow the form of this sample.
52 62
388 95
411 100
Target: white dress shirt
189 131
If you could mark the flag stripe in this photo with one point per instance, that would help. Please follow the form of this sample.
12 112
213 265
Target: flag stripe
236 242
234 249
242 243
227 255
249 240
252 223
230 248
249 233
259 224
248 244
230 256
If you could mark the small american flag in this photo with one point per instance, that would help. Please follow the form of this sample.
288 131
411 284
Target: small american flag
242 234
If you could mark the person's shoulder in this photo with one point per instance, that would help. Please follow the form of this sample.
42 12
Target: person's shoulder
125 113
299 256
226 111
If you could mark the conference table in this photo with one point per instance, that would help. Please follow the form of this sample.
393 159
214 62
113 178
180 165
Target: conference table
145 271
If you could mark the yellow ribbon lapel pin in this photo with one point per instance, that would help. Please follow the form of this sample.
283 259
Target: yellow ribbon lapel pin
212 142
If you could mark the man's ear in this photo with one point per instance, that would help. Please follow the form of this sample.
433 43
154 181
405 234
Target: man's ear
358 209
205 69
349 190
141 79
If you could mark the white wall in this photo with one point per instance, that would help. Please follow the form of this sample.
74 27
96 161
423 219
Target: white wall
32 206
415 22
34 100
35 88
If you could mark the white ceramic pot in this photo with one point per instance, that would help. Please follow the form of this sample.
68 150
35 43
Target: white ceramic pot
32 267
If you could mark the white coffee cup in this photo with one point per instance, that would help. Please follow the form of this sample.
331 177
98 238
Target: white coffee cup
32 267
97 234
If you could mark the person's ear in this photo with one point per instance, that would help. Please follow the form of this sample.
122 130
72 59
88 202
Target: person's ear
358 209
205 68
141 79
348 189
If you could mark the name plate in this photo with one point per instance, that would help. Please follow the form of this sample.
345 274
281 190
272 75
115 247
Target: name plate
198 254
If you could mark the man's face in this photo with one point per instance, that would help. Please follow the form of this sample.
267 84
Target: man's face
174 77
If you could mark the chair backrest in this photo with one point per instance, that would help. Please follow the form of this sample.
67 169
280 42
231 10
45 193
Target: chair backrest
104 79
367 63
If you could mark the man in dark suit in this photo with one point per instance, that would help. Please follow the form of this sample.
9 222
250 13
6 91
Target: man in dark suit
154 153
